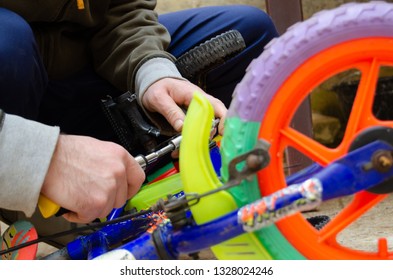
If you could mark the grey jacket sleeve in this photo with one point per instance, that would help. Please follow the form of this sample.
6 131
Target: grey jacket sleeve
26 149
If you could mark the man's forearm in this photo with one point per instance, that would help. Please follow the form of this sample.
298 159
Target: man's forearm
26 149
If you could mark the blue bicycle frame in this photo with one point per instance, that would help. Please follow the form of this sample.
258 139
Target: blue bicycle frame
305 191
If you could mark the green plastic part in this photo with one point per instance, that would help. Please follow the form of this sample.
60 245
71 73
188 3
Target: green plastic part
240 137
151 193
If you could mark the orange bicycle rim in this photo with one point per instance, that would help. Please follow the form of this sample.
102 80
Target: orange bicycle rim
366 55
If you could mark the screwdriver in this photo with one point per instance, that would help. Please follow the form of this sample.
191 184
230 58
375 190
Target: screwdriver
48 208
172 145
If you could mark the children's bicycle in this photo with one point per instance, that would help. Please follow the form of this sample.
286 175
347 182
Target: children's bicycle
238 195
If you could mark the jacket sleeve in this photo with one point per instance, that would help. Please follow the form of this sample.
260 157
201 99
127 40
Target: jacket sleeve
26 149
129 51
130 37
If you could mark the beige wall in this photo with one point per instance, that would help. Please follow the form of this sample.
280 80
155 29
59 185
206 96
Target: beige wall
173 5
312 6
309 6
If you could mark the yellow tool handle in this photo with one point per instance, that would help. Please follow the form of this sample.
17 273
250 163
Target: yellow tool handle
47 207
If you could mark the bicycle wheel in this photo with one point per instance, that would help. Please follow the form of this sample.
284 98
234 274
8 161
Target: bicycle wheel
197 62
352 42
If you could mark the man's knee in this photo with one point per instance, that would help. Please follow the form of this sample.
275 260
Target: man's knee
22 75
16 36
253 23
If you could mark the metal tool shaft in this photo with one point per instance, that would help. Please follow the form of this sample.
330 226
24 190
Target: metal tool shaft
172 145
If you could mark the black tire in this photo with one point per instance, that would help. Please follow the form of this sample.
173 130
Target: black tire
194 64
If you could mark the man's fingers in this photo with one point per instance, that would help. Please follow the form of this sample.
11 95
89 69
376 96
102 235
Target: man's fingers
169 96
122 192
219 108
172 113
221 127
75 218
135 176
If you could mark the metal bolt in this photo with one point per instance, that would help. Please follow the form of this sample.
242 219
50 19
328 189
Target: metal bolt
382 161
254 161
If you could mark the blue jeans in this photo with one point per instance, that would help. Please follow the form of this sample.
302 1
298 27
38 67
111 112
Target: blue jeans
74 103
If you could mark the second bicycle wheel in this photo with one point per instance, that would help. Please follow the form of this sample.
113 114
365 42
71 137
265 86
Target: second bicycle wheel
345 54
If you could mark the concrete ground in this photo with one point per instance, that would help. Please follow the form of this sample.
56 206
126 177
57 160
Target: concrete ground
43 248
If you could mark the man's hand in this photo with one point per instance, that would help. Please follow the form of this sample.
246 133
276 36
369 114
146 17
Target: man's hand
91 177
168 95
